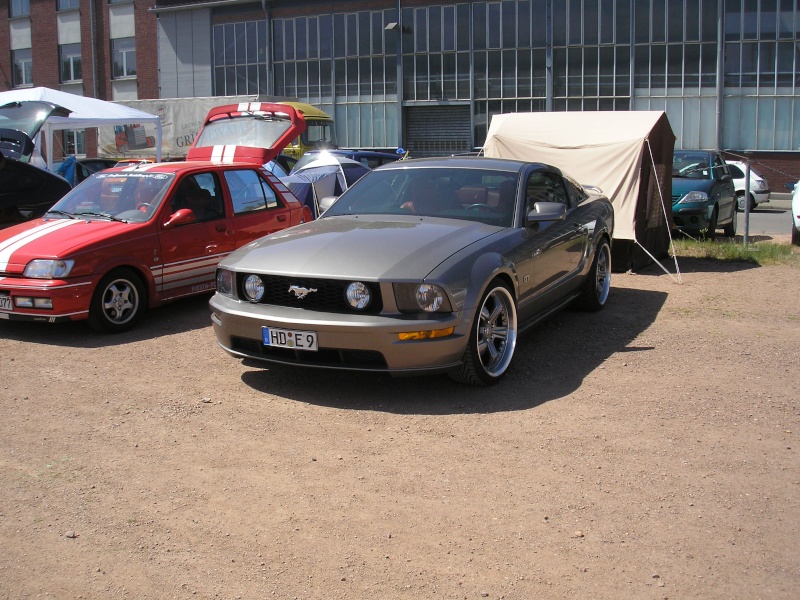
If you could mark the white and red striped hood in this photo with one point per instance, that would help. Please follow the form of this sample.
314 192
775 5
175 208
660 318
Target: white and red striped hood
52 238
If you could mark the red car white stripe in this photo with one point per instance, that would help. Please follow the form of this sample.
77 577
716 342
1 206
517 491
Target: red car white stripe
14 243
223 154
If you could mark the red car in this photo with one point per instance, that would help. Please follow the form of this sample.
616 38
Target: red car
131 238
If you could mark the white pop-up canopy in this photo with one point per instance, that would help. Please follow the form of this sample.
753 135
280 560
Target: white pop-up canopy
86 112
628 155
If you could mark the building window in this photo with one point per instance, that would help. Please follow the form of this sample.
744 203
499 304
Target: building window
123 57
75 143
70 62
19 8
22 63
67 4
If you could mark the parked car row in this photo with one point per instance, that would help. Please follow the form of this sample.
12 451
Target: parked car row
348 260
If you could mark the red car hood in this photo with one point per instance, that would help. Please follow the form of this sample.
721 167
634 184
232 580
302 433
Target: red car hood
53 238
229 147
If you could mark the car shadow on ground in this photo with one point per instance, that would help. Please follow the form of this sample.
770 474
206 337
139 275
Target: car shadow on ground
175 317
697 265
551 361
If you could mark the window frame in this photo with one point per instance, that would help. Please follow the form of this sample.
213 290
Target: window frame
123 48
22 66
70 52
19 8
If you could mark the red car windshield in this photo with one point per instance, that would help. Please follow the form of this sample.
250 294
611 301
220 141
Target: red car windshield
133 197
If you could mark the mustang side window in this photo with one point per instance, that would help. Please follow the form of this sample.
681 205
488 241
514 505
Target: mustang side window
545 187
249 192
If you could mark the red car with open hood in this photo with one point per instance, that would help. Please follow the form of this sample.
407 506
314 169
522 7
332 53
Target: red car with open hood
131 238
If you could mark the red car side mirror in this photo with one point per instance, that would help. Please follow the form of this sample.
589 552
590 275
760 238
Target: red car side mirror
184 216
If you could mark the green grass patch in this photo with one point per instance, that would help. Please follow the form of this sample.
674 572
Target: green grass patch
760 253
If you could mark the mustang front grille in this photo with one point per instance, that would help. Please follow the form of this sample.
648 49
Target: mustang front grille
324 295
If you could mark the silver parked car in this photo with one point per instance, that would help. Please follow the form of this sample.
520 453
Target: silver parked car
429 265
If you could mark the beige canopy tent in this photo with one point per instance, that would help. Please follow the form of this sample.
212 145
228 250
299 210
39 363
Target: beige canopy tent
628 155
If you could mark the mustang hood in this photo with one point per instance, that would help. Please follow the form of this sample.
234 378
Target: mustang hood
369 247
51 238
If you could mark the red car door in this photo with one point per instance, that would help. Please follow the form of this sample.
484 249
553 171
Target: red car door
192 249
258 209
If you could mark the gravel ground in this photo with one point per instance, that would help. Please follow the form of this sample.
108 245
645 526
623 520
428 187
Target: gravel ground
649 451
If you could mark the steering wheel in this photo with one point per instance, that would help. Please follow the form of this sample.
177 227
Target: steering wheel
480 207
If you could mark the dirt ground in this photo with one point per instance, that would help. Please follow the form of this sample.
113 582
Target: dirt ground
649 451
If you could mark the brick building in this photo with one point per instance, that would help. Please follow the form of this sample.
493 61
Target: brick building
429 76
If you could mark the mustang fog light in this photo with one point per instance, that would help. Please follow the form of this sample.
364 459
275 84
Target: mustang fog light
225 282
429 297
425 335
254 288
23 302
46 303
358 295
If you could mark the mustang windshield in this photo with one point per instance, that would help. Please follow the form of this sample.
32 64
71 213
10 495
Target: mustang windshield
483 195
133 197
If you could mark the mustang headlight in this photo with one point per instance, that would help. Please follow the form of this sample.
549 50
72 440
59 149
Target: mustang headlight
358 295
254 288
693 197
225 282
42 268
428 297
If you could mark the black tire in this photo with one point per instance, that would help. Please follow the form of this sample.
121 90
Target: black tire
730 229
598 282
795 235
493 338
711 232
118 302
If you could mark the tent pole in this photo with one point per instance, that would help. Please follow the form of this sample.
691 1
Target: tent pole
666 220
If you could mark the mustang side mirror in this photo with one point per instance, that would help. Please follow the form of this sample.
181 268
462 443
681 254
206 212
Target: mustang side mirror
184 216
546 211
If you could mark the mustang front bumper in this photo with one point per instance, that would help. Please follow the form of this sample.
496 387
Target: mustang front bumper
345 341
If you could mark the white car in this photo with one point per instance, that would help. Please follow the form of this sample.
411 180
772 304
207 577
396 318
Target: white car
795 187
759 186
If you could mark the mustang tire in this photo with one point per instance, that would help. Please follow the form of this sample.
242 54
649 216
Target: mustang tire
492 339
118 302
598 281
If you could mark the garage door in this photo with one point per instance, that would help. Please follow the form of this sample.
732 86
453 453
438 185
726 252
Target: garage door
437 130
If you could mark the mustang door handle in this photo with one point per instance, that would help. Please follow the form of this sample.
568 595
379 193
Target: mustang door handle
281 217
220 227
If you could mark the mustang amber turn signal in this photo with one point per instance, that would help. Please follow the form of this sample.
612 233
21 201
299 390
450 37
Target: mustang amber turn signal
425 335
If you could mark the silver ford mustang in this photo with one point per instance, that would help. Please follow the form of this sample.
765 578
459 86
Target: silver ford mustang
429 265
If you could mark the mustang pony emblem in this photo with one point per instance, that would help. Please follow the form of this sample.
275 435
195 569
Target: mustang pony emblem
300 292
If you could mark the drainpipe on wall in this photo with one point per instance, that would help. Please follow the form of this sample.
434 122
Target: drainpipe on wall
720 73
400 141
268 19
548 58
94 50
